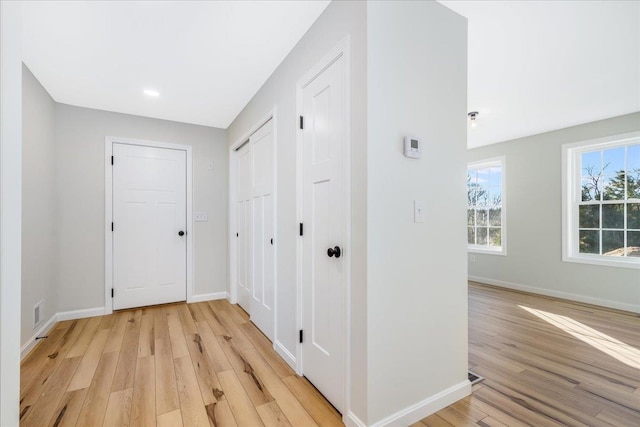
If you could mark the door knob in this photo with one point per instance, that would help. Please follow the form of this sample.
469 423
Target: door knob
180 233
334 252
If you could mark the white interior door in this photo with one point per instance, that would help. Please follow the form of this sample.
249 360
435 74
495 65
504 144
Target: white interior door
149 218
244 234
323 270
262 286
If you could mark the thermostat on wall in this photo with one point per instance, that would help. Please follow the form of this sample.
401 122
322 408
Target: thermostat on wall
412 147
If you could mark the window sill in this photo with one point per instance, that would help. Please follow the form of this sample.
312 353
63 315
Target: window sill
487 250
608 262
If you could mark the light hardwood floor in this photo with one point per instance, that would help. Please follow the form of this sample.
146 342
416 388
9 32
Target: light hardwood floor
200 364
204 364
538 372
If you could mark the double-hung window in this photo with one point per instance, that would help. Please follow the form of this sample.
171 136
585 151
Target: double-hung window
486 206
602 201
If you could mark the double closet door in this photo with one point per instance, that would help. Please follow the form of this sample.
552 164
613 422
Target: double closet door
255 222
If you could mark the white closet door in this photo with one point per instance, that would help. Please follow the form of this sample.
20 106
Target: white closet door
262 295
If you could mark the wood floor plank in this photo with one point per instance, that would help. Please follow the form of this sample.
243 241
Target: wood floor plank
95 403
215 352
212 319
125 372
85 372
243 410
234 331
314 403
36 357
178 343
31 392
44 408
220 414
272 416
290 405
143 401
166 387
118 413
170 419
84 339
205 373
265 347
146 340
191 404
66 414
116 336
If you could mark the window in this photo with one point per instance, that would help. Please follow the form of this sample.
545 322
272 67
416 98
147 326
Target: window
602 201
486 206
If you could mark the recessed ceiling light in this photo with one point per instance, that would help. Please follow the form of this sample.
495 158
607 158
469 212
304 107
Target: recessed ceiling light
150 92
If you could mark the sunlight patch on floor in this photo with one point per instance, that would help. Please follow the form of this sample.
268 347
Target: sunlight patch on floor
617 349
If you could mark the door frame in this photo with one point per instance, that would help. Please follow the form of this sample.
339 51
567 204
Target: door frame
342 49
233 188
108 211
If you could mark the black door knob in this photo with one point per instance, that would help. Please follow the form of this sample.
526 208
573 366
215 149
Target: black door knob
181 233
336 252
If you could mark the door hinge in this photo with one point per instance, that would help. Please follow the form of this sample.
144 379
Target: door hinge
272 241
301 336
301 229
112 293
111 226
301 122
111 160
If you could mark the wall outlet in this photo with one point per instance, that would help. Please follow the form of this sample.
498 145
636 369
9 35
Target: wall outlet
201 217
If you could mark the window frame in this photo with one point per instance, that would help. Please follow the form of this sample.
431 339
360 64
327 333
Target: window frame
486 249
572 196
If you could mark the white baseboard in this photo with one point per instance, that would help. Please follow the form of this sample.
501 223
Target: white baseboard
208 297
428 406
79 314
351 420
285 354
633 308
42 330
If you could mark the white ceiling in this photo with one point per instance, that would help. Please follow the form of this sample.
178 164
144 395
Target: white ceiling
536 66
205 58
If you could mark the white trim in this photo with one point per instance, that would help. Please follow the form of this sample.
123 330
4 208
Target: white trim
492 250
570 172
209 297
42 330
352 420
633 308
81 314
285 354
108 212
342 49
426 407
10 209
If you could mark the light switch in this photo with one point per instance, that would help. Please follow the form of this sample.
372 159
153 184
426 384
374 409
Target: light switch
419 211
201 217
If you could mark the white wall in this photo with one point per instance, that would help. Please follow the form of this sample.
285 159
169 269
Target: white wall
39 228
417 290
10 209
534 222
80 135
339 19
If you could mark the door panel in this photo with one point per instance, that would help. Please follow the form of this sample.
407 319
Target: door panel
323 277
245 205
262 313
149 209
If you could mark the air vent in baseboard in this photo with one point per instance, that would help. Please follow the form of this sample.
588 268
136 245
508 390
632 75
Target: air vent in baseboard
474 378
37 314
